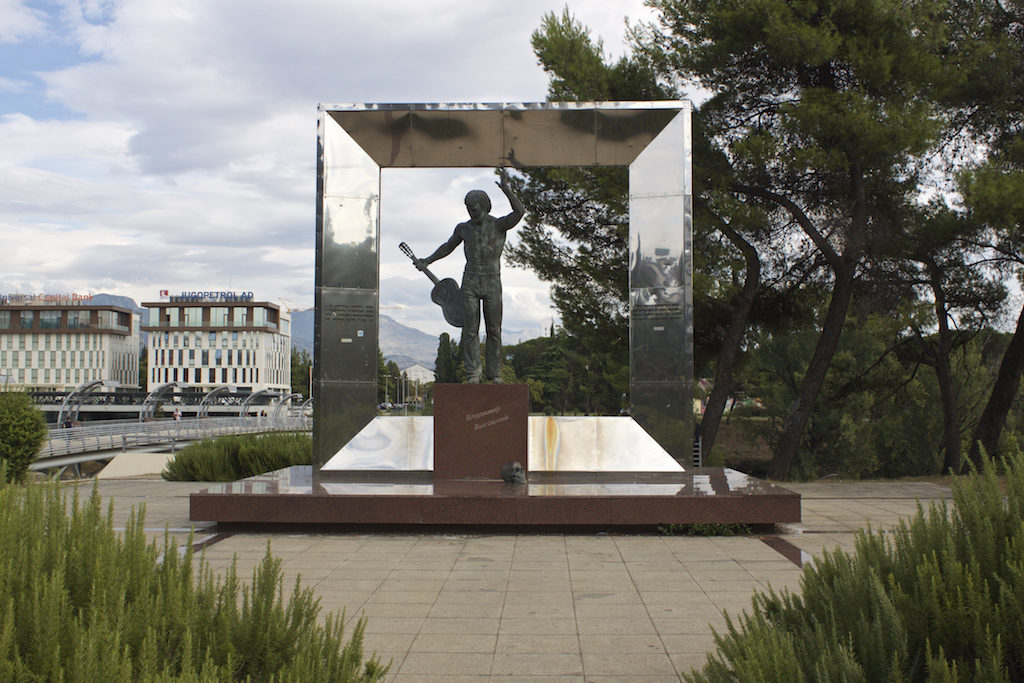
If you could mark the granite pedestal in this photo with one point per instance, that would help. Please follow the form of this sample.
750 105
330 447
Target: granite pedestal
584 472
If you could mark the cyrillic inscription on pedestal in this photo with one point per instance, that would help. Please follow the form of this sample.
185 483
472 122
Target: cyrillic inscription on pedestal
478 428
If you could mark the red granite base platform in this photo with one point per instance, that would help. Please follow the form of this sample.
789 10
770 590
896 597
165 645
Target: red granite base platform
705 495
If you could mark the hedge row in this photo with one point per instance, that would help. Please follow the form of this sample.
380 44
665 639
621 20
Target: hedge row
939 599
81 602
229 458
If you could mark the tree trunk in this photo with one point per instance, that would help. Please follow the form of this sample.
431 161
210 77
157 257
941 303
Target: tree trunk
810 385
731 340
993 418
944 374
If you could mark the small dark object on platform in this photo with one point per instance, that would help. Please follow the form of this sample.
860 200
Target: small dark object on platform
513 473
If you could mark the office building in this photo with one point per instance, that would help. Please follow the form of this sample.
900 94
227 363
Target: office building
205 340
56 342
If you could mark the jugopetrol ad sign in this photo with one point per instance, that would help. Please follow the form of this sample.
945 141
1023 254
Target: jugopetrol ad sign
205 296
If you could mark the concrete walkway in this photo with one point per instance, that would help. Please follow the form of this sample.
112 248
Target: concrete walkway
539 607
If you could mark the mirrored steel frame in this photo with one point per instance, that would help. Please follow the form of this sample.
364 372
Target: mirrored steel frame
357 141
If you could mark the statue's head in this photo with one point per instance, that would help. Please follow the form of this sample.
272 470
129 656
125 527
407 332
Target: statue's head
478 204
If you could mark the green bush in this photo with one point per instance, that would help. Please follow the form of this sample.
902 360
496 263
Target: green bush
230 458
941 599
80 602
22 433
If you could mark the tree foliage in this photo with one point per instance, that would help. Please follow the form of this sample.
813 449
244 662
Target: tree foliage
22 433
826 124
302 363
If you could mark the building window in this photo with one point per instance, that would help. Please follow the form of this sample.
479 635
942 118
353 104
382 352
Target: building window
259 316
171 317
193 317
212 375
26 323
218 316
217 356
205 357
240 314
5 320
191 358
49 320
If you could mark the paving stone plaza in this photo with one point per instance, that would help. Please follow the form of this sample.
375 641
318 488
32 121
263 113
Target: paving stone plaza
539 607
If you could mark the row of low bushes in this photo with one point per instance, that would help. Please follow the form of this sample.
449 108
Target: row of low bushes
939 599
81 602
234 457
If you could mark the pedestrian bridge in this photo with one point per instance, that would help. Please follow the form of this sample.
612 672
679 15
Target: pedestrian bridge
72 446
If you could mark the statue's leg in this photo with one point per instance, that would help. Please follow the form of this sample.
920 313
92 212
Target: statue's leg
471 333
492 325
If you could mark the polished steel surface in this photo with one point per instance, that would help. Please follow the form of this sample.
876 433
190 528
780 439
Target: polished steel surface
653 138
660 296
555 444
388 443
347 320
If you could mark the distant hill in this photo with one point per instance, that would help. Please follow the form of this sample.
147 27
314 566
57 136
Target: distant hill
405 345
122 301
125 302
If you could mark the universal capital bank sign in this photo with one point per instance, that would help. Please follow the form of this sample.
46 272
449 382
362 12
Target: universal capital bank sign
6 299
205 296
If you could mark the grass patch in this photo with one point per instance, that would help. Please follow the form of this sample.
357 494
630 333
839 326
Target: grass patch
234 457
941 598
81 602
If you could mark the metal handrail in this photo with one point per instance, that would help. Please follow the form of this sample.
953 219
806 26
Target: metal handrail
111 435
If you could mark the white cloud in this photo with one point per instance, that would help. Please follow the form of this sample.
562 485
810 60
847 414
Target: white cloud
190 162
19 22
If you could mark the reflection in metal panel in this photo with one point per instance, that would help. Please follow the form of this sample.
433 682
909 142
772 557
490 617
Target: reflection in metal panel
652 138
556 444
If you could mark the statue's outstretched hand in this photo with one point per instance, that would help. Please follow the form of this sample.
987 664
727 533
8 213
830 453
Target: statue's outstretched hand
420 264
503 183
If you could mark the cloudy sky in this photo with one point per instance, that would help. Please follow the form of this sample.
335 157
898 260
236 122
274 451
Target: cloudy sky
170 144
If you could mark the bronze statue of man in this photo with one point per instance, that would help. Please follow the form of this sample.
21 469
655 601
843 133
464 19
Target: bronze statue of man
483 237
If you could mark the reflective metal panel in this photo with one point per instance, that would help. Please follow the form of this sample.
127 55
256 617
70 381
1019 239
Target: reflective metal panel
389 443
665 411
659 170
385 135
348 170
594 444
624 134
652 137
343 409
656 327
348 335
550 138
350 242
456 139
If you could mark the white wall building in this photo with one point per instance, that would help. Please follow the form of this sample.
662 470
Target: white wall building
205 340
58 342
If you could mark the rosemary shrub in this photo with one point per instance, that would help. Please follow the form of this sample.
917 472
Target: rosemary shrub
81 602
234 457
939 599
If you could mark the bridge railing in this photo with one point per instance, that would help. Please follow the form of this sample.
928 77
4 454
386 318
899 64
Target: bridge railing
125 433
